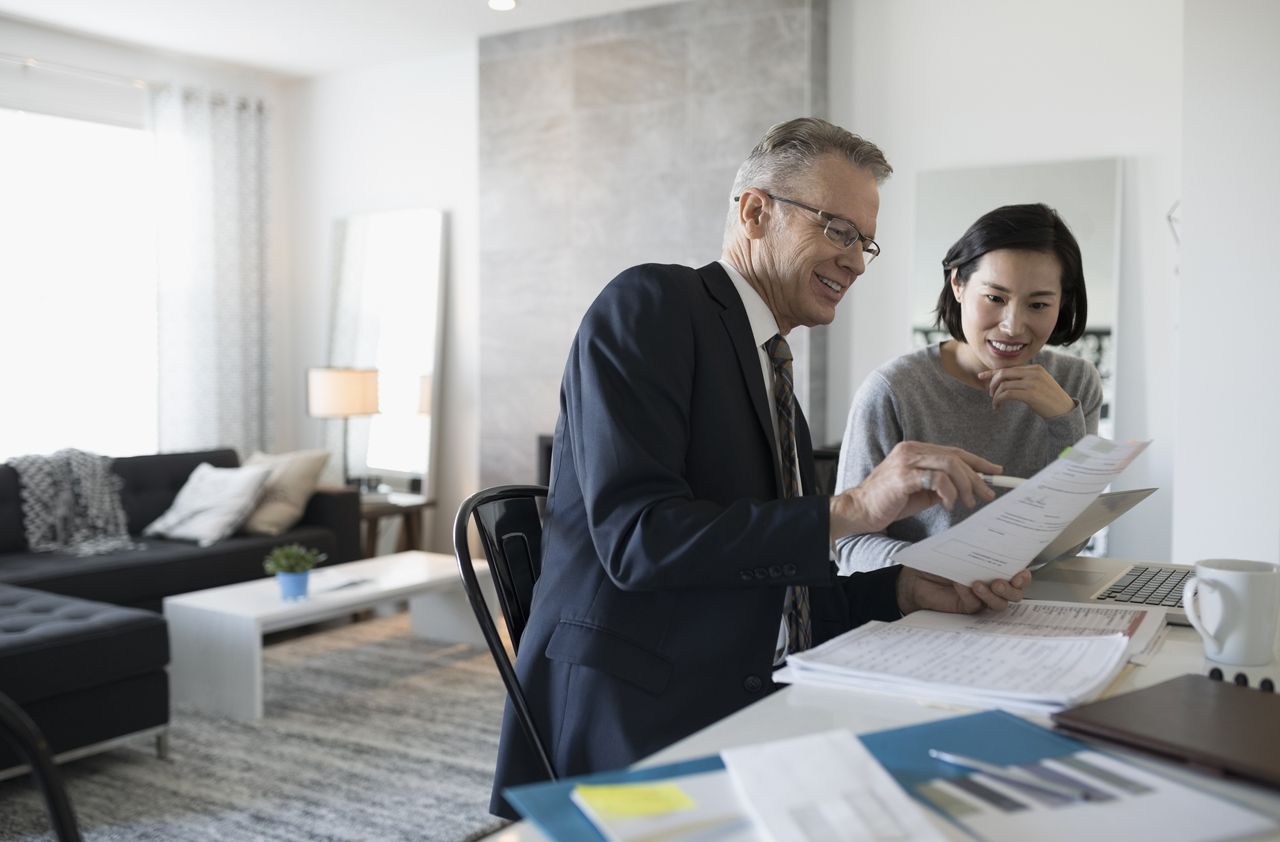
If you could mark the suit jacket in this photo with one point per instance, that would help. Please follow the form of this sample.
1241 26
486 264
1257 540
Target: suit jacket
667 548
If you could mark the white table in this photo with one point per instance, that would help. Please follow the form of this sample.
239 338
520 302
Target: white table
793 711
215 635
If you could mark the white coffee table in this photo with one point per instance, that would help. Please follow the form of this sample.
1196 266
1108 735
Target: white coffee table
215 635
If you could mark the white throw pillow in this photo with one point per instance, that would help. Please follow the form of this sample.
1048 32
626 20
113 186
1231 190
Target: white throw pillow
212 504
292 480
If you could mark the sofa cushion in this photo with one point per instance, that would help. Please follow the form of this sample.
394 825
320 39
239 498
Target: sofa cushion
212 505
162 568
50 644
151 482
293 478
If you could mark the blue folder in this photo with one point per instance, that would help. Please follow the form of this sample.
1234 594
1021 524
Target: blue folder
549 807
994 736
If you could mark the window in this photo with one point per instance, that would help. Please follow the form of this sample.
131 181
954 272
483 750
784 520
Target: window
77 286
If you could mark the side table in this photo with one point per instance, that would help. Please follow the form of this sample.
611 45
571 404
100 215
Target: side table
407 507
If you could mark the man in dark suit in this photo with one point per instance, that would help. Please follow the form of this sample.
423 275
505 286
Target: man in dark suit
684 552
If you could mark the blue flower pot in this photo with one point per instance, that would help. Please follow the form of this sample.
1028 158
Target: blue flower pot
293 586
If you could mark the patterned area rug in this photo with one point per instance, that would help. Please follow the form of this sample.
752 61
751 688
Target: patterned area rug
369 734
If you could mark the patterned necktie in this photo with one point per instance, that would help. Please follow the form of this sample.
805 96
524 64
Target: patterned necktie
796 605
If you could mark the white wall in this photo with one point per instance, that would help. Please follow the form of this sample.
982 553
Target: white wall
990 82
1227 499
385 138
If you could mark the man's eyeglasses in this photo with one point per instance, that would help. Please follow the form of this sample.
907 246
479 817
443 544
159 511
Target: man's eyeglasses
840 231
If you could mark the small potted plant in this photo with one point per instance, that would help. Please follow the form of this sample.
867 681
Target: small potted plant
290 564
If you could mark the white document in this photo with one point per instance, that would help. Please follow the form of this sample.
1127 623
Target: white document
1129 803
1013 672
1046 618
1004 536
1144 656
824 788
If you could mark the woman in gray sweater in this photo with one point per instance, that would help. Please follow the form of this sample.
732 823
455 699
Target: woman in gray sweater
1012 284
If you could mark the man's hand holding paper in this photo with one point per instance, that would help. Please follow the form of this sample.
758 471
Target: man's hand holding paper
919 591
1002 538
913 477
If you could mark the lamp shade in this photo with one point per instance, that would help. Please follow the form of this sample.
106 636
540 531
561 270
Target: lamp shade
341 392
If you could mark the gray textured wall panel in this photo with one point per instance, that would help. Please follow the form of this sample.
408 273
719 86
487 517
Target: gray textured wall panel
609 142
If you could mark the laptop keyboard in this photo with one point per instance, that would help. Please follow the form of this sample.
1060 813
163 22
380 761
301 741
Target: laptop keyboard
1149 586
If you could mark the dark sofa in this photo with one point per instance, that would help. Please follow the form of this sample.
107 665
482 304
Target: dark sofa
86 672
142 578
89 671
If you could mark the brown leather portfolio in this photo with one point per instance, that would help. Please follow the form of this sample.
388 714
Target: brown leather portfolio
1210 724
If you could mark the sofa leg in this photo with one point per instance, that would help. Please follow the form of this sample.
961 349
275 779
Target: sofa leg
162 744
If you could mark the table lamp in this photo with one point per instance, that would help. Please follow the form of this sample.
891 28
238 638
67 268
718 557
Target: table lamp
425 399
342 393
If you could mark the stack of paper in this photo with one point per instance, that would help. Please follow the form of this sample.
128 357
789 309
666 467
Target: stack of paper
1142 624
1035 657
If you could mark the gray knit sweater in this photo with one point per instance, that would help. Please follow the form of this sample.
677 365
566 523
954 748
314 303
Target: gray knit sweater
912 398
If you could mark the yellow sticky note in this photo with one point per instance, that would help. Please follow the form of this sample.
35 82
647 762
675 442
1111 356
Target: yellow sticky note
640 799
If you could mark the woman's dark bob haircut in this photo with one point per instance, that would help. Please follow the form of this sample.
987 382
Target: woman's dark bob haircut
1031 228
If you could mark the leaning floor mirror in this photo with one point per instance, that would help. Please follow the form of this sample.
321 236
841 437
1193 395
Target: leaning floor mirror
386 316
1086 194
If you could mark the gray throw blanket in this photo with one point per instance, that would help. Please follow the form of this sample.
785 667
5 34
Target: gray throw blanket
71 503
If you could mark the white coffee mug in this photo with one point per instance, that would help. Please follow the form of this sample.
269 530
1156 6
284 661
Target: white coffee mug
1234 605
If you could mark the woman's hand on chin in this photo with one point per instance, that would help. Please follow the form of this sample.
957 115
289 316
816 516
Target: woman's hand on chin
1031 385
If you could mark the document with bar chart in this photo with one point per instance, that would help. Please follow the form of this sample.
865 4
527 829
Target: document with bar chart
1123 801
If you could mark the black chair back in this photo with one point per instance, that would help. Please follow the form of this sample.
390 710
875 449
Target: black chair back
825 462
509 520
27 741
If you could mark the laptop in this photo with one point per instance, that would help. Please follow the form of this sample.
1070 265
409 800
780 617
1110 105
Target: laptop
1115 582
1059 574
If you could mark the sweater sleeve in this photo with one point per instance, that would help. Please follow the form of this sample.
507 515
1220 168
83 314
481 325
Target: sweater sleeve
1091 398
1085 387
872 431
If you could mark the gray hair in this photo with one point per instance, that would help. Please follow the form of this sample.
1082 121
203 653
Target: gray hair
788 150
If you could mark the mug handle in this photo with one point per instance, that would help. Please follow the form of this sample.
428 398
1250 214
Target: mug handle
1193 613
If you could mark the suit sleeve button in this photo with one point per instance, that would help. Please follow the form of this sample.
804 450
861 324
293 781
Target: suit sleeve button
752 684
746 575
775 571
789 569
761 573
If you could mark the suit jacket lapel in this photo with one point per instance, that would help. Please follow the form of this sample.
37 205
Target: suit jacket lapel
734 316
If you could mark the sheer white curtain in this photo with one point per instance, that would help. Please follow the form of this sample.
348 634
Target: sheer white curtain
213 365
